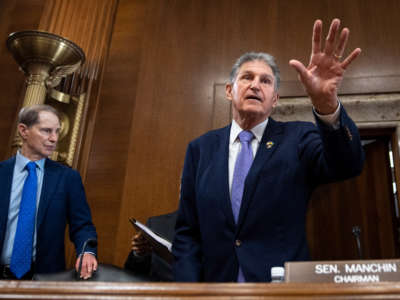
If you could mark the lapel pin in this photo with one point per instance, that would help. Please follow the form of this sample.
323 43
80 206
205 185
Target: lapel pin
269 144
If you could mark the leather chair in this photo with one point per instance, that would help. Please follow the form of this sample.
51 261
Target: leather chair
105 272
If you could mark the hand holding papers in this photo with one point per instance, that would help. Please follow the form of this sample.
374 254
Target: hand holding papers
161 246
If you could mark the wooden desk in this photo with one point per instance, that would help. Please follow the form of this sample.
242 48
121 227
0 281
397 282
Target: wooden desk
107 290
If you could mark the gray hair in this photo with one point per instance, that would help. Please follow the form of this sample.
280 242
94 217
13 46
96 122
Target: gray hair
29 115
252 56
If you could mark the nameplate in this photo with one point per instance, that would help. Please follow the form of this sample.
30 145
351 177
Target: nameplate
345 271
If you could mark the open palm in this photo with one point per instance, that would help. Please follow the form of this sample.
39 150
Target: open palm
322 77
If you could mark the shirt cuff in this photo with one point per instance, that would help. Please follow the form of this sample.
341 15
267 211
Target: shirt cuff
90 252
332 119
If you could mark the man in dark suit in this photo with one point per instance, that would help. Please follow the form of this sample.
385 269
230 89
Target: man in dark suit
245 187
38 197
142 260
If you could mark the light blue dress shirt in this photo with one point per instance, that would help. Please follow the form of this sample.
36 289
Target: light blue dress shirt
19 176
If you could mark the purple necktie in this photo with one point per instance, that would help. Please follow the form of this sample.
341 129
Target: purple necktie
242 167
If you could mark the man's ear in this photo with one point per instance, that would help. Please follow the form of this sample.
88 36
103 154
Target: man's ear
275 100
228 91
22 130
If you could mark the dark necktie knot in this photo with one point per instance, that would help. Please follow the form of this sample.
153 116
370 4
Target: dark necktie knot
246 136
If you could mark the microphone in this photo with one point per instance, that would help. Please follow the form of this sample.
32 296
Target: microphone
91 243
356 232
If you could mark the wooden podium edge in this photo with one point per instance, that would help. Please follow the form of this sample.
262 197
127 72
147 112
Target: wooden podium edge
109 290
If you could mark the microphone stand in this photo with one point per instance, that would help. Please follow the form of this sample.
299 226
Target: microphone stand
92 243
356 232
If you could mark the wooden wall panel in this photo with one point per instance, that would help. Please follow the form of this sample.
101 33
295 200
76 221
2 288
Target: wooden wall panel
157 92
173 102
366 201
106 170
89 24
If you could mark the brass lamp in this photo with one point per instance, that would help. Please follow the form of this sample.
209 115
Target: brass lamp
44 58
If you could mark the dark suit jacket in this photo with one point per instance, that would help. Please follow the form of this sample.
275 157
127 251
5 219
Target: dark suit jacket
208 246
62 201
152 265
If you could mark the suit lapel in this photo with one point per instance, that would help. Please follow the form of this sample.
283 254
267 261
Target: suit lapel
50 180
221 174
6 176
270 142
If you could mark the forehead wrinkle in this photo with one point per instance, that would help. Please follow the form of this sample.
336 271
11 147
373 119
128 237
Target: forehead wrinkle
250 72
253 69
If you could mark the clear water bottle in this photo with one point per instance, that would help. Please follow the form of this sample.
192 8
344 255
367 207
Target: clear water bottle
277 274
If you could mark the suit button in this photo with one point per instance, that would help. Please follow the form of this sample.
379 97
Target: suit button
238 243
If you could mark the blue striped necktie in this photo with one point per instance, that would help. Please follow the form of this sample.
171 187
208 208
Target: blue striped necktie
21 258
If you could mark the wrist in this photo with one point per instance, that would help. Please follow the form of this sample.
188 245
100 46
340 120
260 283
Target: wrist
327 107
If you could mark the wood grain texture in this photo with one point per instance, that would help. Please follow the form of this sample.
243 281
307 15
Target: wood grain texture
220 291
366 201
165 59
186 48
107 162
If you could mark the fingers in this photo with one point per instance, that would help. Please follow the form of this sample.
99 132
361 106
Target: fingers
142 248
89 265
300 68
77 263
337 50
139 240
138 236
96 265
331 38
89 270
316 38
344 36
140 245
349 59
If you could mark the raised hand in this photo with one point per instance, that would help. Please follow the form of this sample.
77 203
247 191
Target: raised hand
322 77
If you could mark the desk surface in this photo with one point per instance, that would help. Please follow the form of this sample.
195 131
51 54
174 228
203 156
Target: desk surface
108 290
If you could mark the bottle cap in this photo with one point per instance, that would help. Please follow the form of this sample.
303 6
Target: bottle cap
277 271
